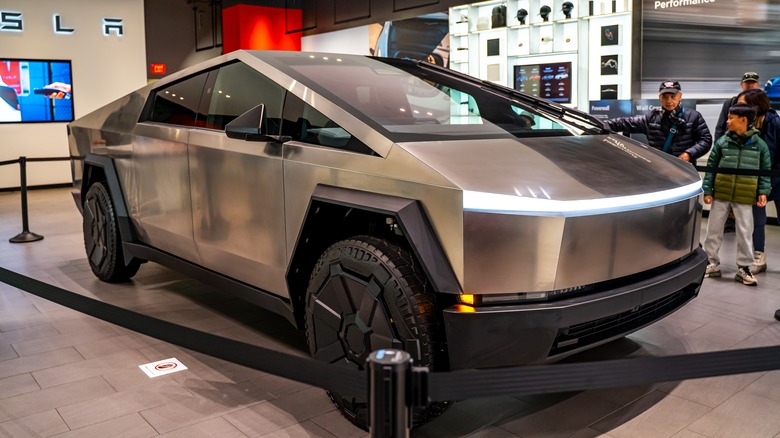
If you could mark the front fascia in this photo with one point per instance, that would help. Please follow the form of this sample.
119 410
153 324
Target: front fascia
511 335
507 253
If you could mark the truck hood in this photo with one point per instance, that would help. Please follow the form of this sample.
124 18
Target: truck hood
559 175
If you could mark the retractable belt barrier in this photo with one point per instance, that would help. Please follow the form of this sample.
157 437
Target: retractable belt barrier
26 235
436 386
540 379
292 367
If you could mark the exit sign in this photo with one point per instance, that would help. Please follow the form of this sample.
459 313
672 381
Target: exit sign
158 69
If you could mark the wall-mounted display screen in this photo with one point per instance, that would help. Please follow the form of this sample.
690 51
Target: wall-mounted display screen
550 81
33 90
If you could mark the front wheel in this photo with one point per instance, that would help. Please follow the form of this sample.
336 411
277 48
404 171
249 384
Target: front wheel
101 237
367 294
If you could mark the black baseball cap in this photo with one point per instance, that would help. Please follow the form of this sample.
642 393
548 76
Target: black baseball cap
669 87
750 76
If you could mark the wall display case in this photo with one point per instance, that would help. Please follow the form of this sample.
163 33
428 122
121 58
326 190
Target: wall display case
504 40
492 55
610 55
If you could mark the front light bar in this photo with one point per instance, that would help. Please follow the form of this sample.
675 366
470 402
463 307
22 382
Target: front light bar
497 299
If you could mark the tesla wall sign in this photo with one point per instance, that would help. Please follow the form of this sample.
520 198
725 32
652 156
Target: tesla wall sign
13 21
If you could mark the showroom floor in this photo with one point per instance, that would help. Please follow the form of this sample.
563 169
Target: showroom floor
66 374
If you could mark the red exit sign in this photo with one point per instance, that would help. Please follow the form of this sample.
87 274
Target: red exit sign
158 69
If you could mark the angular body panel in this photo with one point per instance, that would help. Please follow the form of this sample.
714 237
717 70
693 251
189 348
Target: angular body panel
510 253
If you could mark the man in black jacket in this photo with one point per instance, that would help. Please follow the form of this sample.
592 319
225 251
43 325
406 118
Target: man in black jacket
679 131
749 82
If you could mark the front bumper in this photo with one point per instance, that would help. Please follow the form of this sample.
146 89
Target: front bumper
496 336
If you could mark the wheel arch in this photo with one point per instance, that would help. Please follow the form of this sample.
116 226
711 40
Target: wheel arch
98 168
337 213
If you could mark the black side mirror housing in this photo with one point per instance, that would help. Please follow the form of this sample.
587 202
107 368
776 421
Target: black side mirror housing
248 126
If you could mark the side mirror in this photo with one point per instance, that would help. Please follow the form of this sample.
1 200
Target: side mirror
248 126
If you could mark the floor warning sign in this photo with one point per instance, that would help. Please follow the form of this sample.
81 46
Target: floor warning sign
162 367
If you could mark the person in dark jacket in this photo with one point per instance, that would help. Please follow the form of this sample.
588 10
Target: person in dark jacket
679 131
740 148
768 125
749 82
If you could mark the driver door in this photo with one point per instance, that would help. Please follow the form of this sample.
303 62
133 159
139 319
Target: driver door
237 196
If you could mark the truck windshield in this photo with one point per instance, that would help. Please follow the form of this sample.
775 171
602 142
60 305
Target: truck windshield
412 100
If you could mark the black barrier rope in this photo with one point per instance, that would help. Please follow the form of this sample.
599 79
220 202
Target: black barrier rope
38 159
540 379
300 369
41 159
441 386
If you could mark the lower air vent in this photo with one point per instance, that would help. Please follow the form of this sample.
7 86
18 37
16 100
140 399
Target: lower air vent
581 335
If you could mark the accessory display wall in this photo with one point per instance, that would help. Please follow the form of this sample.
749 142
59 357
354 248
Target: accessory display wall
488 39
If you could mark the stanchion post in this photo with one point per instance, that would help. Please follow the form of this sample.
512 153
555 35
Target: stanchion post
389 372
25 235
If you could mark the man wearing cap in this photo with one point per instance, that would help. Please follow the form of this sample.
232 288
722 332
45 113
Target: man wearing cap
749 81
673 129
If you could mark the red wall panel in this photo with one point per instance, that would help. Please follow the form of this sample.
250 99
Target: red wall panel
259 28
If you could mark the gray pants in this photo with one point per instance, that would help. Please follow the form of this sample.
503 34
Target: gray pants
743 218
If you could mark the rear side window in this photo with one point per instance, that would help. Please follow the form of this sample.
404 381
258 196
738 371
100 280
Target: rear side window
238 88
178 104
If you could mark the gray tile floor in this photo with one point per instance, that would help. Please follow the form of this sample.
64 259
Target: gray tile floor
65 374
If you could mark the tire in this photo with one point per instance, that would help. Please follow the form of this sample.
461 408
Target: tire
102 241
367 294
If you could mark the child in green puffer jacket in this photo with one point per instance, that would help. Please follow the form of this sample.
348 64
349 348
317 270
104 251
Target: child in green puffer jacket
740 148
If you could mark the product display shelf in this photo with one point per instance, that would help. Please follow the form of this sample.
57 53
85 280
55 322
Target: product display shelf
489 39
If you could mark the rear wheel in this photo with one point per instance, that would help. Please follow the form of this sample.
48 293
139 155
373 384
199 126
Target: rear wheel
367 294
101 237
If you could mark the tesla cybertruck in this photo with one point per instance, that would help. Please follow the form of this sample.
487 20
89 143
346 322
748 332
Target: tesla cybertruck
388 203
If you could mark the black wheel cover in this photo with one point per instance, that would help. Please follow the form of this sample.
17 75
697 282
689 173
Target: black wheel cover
367 294
101 237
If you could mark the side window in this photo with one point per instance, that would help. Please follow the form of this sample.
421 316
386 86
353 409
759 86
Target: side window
535 121
239 88
463 108
305 124
177 104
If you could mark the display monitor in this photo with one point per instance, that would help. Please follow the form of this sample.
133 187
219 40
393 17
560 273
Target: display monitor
550 81
33 90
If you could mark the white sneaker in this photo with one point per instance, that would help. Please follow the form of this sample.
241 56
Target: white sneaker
759 262
745 276
712 271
